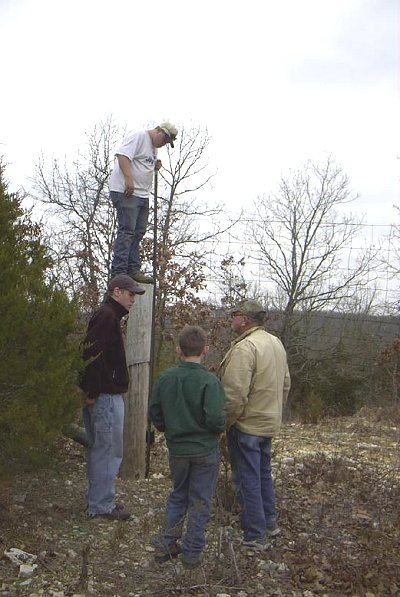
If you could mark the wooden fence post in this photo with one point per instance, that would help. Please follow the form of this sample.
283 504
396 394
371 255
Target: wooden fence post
138 350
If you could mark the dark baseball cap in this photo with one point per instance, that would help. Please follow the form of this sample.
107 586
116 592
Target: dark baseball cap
125 282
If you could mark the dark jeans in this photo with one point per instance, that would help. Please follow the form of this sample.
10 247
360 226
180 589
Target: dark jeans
251 468
132 217
194 479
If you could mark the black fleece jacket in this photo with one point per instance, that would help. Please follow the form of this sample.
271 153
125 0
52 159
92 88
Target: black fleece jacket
106 372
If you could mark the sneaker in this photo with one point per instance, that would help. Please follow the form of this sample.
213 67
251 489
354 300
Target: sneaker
141 277
116 514
255 545
273 531
168 553
191 563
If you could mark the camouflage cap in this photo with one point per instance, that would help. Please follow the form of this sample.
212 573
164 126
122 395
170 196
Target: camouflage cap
171 132
248 307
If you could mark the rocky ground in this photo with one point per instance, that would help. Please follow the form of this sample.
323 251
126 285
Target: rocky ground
338 488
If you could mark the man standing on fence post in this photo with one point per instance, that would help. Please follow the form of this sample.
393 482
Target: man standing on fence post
130 187
256 381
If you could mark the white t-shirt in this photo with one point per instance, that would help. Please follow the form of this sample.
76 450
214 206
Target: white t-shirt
138 147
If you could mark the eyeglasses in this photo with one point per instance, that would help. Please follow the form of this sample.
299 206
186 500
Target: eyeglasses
236 315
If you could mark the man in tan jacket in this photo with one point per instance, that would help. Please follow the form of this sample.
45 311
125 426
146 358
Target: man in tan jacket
256 380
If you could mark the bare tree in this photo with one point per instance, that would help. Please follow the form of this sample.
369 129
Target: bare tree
79 216
187 227
231 281
390 263
303 241
81 222
305 248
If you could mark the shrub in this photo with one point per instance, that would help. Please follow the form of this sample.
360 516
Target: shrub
311 409
39 359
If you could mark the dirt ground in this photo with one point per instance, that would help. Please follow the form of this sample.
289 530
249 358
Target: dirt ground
338 490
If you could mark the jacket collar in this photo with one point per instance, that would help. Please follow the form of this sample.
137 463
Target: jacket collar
247 333
238 339
118 309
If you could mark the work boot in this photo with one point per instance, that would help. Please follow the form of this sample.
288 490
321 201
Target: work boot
163 554
274 531
118 506
191 563
256 545
116 514
141 277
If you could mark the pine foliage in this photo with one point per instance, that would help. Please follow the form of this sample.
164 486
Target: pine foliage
38 356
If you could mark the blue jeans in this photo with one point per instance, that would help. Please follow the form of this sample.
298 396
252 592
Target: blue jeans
104 424
194 479
132 217
251 468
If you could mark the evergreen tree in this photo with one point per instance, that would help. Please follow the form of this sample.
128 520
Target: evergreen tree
38 352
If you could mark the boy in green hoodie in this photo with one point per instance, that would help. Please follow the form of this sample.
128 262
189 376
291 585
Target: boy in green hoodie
187 404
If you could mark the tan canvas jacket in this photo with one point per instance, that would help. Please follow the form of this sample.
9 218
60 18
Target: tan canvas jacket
256 380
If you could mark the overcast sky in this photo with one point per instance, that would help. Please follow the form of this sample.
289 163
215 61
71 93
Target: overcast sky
274 82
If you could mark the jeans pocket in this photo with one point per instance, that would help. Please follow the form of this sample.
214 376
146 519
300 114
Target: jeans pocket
102 420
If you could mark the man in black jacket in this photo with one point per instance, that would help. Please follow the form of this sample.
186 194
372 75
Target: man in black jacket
104 380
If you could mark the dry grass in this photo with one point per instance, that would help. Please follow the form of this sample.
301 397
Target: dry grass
338 491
